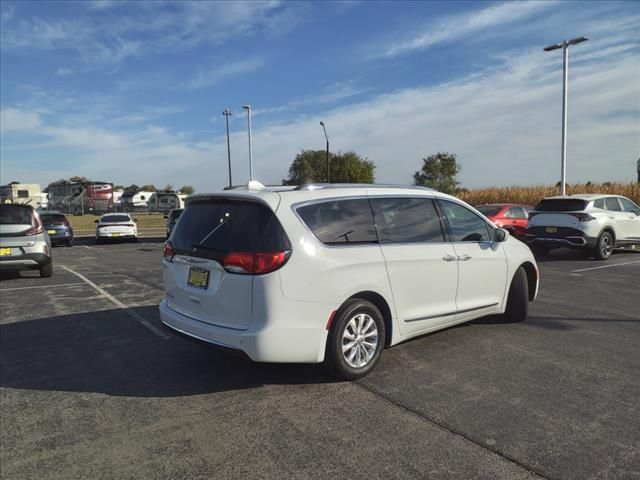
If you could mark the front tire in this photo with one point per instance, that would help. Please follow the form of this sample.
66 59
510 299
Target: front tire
518 299
356 340
604 246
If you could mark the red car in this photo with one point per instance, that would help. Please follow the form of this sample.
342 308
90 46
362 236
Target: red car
510 216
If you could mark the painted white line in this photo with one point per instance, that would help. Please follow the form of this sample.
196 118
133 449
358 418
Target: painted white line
605 266
133 314
39 286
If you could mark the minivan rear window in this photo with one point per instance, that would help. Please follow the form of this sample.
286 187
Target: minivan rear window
16 215
561 205
224 225
340 222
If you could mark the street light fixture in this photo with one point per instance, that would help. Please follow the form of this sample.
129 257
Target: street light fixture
227 113
565 77
248 109
327 138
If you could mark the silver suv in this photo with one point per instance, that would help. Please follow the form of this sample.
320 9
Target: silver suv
24 244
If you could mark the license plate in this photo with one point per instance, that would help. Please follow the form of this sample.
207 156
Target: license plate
115 234
51 232
198 278
5 252
551 229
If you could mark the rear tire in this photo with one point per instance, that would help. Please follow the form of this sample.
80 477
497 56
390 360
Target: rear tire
604 246
46 270
356 340
518 299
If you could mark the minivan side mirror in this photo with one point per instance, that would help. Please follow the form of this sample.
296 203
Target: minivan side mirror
501 235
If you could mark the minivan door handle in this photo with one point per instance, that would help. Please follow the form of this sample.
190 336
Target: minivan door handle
449 258
464 258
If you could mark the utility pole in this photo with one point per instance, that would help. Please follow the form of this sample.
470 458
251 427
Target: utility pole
227 113
248 109
565 77
327 138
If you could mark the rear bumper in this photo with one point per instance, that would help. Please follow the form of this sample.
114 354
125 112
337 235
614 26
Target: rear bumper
271 343
28 260
569 241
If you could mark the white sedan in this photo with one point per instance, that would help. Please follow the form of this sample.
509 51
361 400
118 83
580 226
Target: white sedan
116 226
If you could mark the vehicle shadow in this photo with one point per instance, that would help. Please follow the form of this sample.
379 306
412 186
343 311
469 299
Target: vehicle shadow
564 254
91 241
109 352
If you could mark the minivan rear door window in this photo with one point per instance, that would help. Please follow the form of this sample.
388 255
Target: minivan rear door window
340 222
407 220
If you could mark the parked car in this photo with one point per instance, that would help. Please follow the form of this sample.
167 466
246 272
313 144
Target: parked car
510 216
24 243
116 226
58 228
336 273
172 218
595 224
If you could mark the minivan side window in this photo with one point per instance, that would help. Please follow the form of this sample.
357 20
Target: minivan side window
464 225
407 220
340 222
612 204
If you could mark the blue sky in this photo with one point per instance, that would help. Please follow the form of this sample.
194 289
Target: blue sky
132 92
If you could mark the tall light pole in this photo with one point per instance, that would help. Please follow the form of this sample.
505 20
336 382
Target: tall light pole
565 77
327 138
227 113
248 109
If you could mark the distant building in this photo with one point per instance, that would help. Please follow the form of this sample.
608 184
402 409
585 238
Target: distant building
165 201
27 193
81 197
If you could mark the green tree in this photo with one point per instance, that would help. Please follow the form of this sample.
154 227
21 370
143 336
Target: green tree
118 187
310 166
148 188
439 172
79 179
132 188
168 188
187 189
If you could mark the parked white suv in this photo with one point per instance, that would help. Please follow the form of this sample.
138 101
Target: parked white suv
336 273
595 224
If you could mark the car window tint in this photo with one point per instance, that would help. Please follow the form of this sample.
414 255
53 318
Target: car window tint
52 218
115 218
561 205
16 215
340 221
464 225
599 203
628 205
516 212
407 220
612 204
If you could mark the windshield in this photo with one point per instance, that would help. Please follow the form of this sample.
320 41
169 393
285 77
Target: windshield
489 210
115 218
561 205
225 225
16 215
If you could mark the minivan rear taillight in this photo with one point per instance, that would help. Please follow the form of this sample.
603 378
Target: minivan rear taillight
250 263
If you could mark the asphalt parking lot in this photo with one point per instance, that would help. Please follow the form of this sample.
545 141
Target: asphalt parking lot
92 386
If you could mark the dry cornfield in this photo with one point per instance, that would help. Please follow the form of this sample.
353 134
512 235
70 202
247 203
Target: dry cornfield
532 195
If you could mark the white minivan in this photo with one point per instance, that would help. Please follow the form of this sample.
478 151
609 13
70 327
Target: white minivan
336 273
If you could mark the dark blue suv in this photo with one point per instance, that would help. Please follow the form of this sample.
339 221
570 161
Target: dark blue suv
58 228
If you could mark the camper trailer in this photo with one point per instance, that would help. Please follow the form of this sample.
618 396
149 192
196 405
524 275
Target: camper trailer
81 197
26 193
165 201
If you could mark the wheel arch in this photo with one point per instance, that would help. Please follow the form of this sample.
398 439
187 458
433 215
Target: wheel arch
532 279
380 302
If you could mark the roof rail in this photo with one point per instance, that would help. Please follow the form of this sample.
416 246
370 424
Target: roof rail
317 186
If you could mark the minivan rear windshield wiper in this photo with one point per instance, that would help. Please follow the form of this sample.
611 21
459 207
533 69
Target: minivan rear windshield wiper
226 220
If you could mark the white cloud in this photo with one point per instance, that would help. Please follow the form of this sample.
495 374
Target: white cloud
63 72
218 73
13 119
462 25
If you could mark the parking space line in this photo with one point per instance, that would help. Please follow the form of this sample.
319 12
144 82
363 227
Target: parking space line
605 266
40 286
119 304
